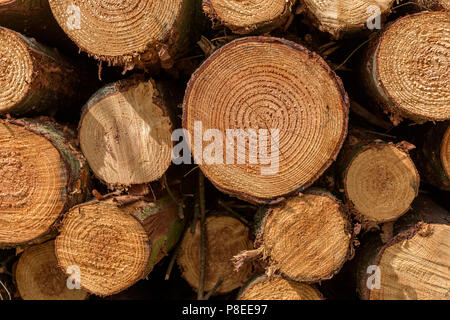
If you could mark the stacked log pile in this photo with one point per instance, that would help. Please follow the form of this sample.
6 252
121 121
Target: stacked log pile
250 150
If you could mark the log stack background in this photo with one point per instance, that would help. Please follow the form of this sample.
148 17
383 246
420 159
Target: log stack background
90 94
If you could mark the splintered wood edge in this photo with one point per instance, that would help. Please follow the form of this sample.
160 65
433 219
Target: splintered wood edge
275 267
344 102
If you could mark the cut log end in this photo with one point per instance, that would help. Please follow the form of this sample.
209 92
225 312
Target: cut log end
125 134
337 17
16 70
411 64
307 238
381 182
100 28
226 237
276 86
416 268
107 243
445 153
39 277
277 288
243 17
32 193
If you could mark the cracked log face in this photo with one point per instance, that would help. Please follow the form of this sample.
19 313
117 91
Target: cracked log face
381 182
226 237
411 65
39 277
125 134
337 17
307 238
246 16
272 85
277 288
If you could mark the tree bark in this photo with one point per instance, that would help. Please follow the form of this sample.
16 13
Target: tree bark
406 84
226 236
414 263
433 154
244 17
378 178
125 133
277 288
43 175
306 239
36 79
157 32
345 17
38 276
118 240
268 90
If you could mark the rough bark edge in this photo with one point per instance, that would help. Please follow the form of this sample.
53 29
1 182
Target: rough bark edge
345 103
375 86
264 258
77 169
261 27
116 88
